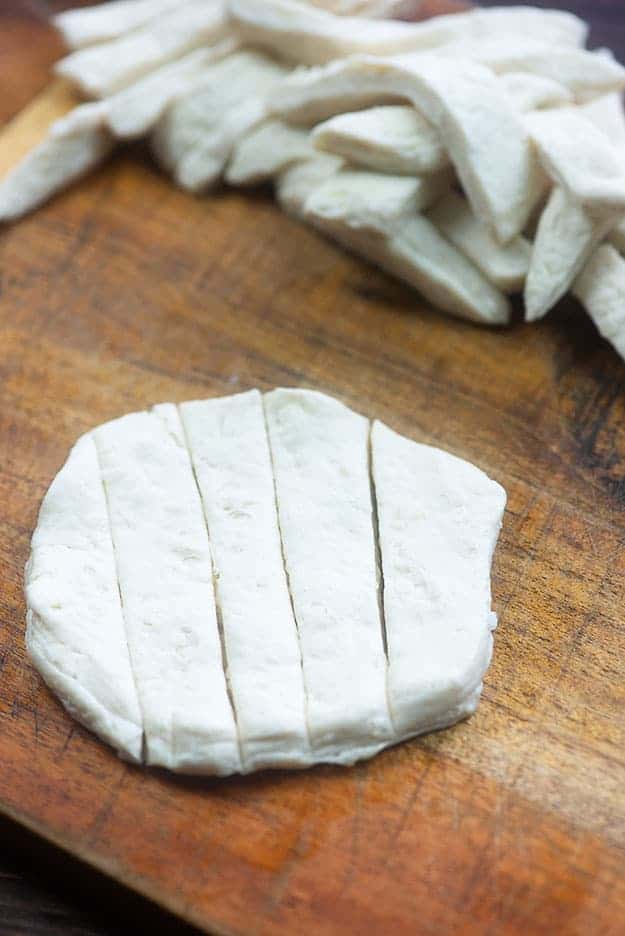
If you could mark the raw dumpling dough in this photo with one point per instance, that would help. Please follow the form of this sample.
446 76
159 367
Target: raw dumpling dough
465 104
196 135
74 145
106 68
76 633
309 36
166 583
439 520
232 465
259 581
392 138
320 459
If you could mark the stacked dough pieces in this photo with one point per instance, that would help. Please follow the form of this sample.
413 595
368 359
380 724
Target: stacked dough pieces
472 156
253 582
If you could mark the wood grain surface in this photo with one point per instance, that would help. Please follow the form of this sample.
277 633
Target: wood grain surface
124 292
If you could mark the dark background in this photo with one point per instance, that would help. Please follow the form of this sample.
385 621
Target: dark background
42 891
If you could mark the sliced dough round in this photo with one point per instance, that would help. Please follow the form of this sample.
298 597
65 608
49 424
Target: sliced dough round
76 634
207 584
439 519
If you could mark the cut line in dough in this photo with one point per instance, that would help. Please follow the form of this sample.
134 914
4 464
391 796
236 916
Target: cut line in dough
216 587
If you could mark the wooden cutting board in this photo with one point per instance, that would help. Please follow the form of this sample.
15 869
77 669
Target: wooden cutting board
125 292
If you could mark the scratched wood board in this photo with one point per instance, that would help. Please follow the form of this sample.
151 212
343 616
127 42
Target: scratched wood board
124 292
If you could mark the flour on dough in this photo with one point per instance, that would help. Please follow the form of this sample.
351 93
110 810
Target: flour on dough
262 581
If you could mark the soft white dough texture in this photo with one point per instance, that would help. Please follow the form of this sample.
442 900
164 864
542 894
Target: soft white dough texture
413 250
207 583
437 538
601 290
586 74
395 138
565 238
534 92
166 583
320 457
297 182
232 464
106 68
579 157
196 135
467 106
76 634
374 201
75 144
608 115
104 21
311 37
504 265
134 110
267 150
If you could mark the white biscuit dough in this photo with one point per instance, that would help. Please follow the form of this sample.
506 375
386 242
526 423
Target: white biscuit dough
261 581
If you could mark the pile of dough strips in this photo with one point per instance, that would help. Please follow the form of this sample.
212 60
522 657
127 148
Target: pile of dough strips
473 155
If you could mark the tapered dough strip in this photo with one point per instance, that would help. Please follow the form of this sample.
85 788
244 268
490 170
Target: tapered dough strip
74 145
395 138
467 106
267 150
309 96
84 27
196 135
601 290
586 74
320 457
439 520
608 115
102 70
535 92
311 36
76 633
580 158
202 168
135 110
505 266
416 252
565 238
232 463
296 183
166 583
375 201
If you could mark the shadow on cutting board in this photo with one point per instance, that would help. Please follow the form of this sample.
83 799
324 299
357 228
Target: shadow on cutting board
45 892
